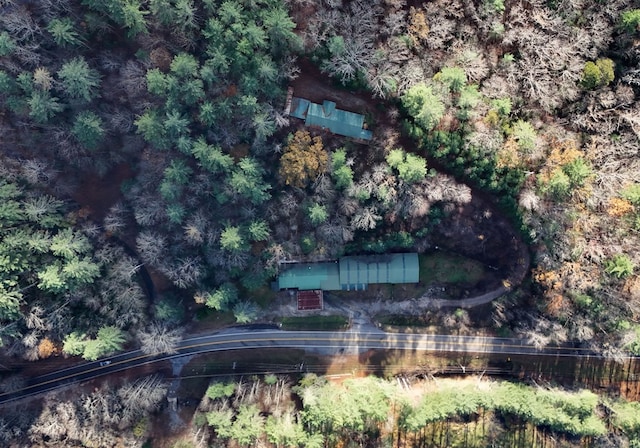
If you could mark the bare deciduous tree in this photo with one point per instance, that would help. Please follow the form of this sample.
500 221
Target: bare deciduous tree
366 219
151 247
157 339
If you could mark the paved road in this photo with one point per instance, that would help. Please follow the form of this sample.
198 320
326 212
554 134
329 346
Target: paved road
351 341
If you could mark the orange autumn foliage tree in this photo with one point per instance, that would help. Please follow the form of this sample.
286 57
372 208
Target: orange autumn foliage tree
46 348
563 152
619 207
552 286
418 25
303 160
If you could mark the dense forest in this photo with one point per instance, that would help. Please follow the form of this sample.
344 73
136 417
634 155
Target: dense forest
147 167
275 411
442 413
150 136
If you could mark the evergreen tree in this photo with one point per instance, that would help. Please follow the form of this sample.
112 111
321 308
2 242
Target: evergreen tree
245 312
43 106
341 172
221 421
10 301
7 44
631 20
133 17
423 105
220 390
87 128
152 129
247 426
411 168
74 344
317 214
525 135
222 298
184 65
211 158
63 32
453 77
258 230
246 181
232 240
78 80
111 339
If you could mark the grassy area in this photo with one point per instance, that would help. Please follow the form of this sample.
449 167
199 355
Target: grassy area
210 319
394 323
443 267
404 321
263 296
315 323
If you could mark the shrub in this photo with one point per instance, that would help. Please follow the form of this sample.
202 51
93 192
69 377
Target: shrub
524 135
598 74
620 266
411 168
631 20
307 244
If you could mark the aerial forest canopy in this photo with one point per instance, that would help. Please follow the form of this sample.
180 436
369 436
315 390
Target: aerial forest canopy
168 88
146 143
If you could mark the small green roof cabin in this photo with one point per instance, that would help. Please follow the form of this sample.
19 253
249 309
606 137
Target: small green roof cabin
326 116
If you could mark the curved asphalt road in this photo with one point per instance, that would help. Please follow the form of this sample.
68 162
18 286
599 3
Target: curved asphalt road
240 338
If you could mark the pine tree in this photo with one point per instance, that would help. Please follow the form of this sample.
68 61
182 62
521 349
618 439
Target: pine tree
133 17
79 81
453 77
111 339
43 106
411 168
247 426
10 301
631 20
247 182
525 135
423 105
258 230
340 171
74 344
7 44
87 128
317 214
232 240
63 32
222 298
152 129
211 158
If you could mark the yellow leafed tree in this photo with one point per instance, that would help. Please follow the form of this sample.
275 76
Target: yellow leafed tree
303 160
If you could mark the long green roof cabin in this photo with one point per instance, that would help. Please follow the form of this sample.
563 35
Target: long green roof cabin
351 273
326 116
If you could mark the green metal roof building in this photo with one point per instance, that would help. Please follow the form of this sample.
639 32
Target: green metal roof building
308 276
351 273
326 116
